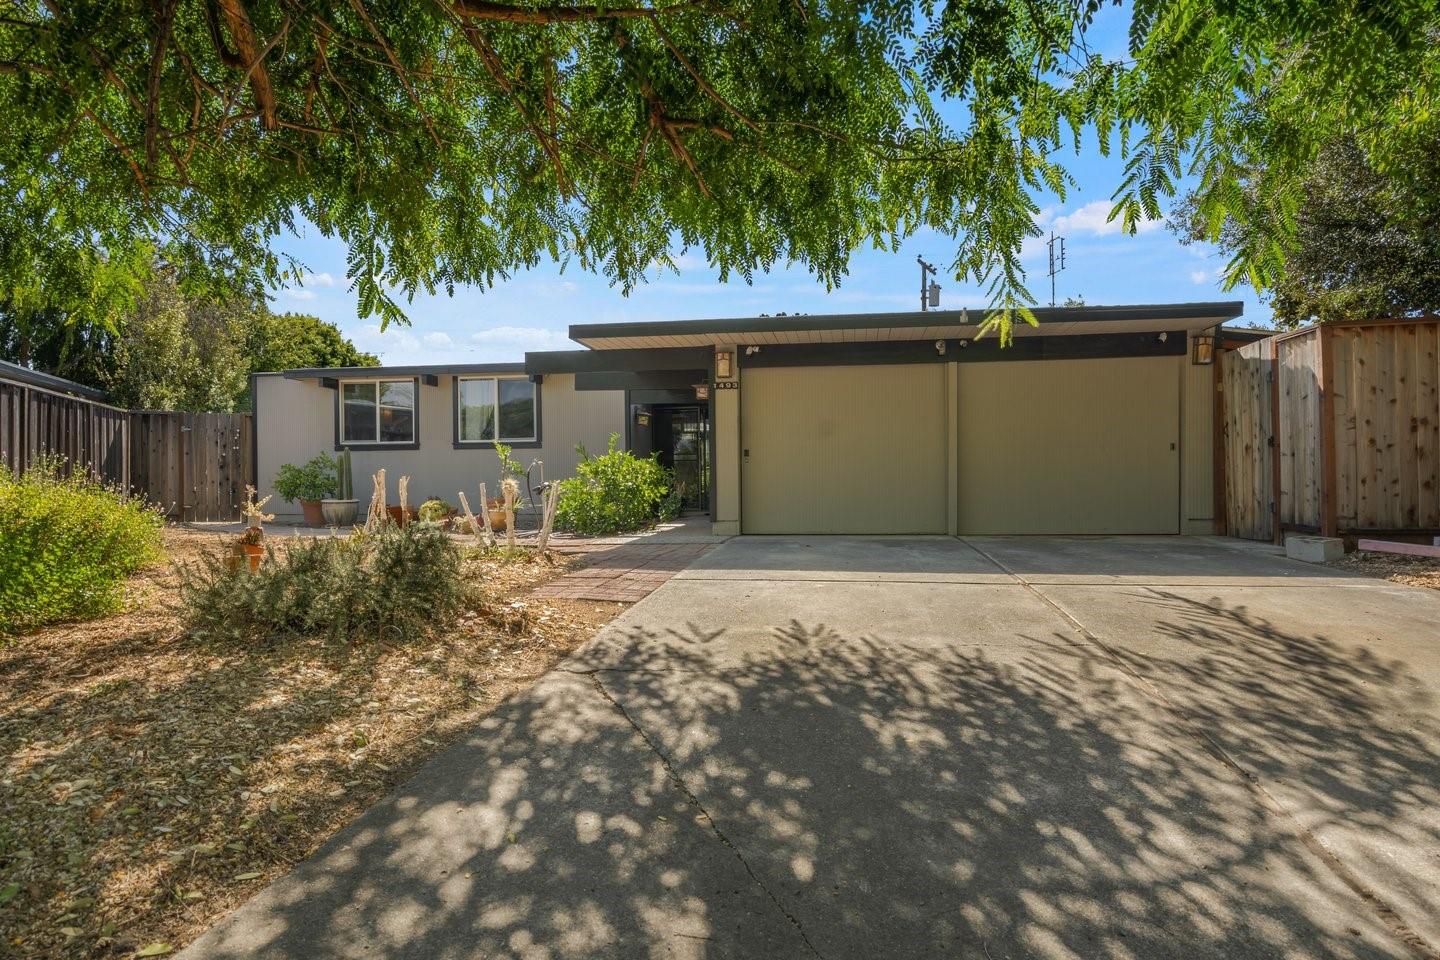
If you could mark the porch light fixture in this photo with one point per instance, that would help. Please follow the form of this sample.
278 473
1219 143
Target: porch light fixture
724 364
1202 349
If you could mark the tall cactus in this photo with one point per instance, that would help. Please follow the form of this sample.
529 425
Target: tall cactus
346 474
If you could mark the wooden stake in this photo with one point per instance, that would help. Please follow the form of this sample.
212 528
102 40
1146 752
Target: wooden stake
547 522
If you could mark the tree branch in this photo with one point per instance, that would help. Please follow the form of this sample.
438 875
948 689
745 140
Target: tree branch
243 34
505 13
364 15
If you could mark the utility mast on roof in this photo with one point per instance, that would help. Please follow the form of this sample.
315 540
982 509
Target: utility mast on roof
929 295
1056 263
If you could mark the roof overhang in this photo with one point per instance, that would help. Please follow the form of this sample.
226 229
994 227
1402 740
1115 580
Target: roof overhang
913 325
417 370
614 361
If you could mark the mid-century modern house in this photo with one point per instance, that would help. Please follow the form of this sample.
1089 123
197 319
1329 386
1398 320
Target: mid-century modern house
1100 420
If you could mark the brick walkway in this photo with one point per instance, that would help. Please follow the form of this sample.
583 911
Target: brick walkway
625 572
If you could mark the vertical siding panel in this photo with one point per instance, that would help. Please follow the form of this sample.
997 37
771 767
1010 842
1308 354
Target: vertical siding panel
1428 435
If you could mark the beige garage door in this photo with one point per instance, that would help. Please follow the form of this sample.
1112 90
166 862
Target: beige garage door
1070 446
843 449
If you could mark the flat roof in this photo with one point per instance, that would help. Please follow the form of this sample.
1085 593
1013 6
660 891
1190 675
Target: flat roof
908 325
414 370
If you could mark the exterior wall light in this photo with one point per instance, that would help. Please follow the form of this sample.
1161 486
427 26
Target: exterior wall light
1202 349
724 364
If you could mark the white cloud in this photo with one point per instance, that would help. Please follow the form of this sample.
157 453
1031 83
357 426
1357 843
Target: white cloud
1093 218
320 279
300 294
1199 276
438 339
522 338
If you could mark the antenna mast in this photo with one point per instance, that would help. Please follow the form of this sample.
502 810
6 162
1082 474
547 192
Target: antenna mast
1056 263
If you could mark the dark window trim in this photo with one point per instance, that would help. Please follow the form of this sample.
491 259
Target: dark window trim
535 381
340 443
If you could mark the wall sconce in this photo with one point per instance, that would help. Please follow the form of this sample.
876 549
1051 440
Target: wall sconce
724 364
1202 349
940 347
751 350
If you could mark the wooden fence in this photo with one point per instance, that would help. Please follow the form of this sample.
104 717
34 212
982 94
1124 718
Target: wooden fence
35 421
1353 440
196 465
1246 378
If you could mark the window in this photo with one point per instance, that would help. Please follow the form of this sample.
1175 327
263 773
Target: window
485 403
378 411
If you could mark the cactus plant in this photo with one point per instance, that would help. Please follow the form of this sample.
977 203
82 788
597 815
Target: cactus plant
341 511
347 475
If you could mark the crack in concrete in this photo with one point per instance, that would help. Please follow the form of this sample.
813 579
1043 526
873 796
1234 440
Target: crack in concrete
694 801
1387 914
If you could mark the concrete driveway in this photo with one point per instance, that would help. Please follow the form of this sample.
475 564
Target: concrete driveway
866 748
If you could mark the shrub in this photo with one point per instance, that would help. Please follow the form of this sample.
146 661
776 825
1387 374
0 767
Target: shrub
434 510
614 493
391 585
315 480
68 545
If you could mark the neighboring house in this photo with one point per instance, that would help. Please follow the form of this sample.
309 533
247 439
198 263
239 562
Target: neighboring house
1099 420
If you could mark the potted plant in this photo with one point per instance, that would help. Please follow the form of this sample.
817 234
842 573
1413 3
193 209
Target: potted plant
251 545
512 475
341 511
436 510
308 484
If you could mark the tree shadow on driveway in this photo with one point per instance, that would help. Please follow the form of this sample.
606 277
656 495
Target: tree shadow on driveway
823 794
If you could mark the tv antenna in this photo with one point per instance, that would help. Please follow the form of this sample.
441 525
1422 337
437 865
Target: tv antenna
1057 263
929 293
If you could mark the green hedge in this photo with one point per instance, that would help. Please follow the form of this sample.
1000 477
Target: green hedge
614 493
66 546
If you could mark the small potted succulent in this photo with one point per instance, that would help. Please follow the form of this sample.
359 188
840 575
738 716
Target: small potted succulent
341 511
436 510
308 484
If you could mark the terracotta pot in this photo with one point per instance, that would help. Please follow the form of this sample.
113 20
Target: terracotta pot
314 517
254 553
339 513
411 513
497 519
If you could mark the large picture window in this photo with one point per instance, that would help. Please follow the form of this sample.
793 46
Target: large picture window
491 408
377 411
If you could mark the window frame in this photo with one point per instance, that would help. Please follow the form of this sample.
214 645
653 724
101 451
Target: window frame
518 444
377 444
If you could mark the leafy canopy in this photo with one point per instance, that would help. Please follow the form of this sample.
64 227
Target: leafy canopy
174 353
455 141
1366 245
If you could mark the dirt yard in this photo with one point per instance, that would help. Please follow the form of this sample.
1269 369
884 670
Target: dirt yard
1411 571
152 781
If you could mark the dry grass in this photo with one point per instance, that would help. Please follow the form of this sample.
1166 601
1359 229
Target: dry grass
1411 571
152 781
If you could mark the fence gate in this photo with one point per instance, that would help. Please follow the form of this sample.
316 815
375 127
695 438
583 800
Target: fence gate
195 465
1249 388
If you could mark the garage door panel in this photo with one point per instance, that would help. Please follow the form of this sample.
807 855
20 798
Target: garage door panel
1069 446
845 449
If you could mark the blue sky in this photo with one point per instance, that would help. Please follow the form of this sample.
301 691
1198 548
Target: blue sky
532 310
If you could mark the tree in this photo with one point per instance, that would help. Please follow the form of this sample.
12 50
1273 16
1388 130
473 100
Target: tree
290 341
455 141
177 353
1366 245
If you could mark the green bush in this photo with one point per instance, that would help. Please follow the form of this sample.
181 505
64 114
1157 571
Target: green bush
315 480
68 545
614 493
390 585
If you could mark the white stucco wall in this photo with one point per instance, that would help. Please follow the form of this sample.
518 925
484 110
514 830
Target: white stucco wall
295 419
